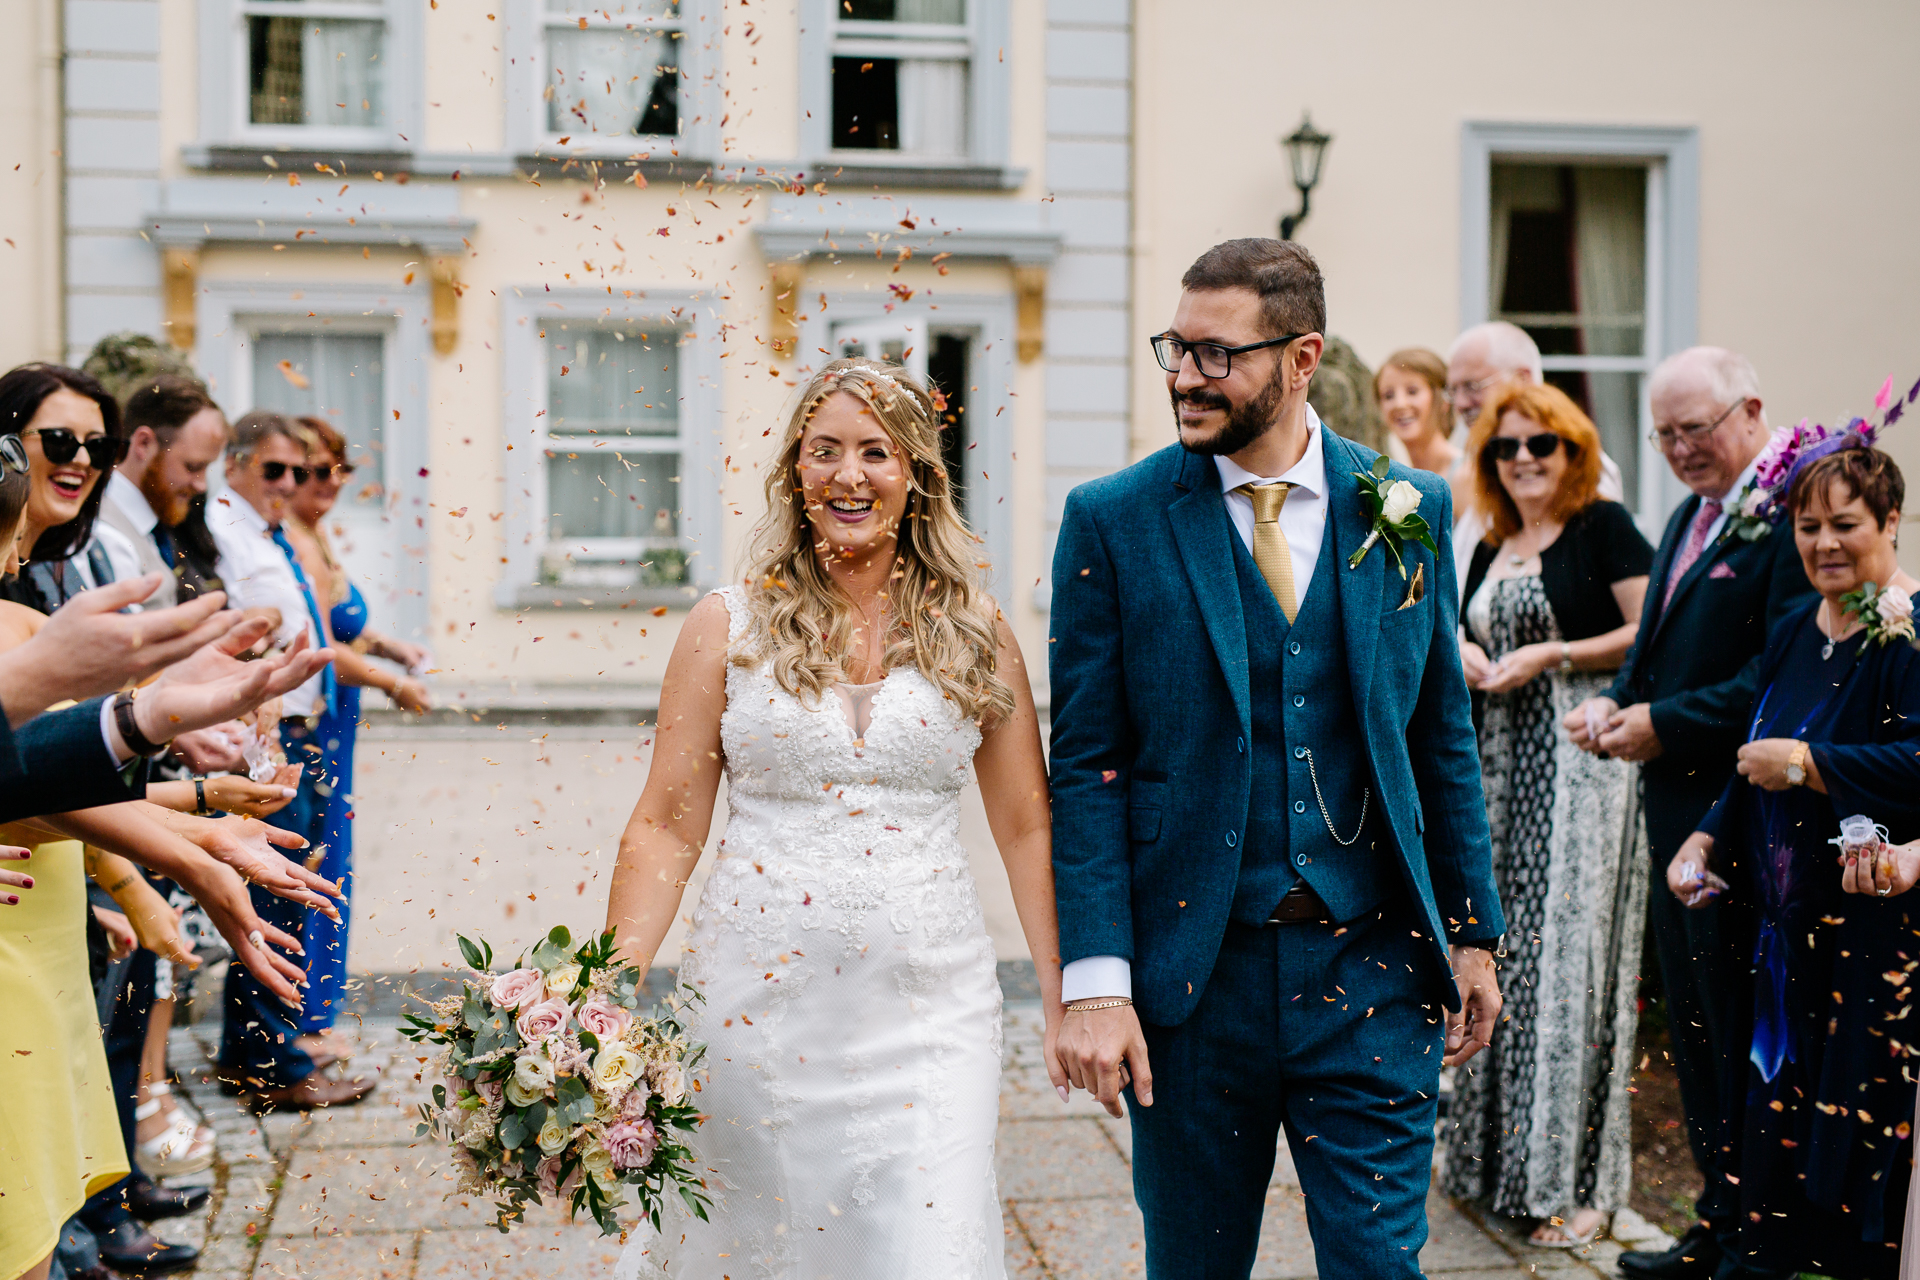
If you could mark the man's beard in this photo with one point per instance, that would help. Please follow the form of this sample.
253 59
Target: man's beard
169 506
1245 423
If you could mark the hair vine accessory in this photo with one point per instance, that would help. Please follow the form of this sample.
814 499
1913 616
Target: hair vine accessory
1763 503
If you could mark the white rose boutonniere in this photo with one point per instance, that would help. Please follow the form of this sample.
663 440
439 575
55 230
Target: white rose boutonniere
1750 517
1393 509
1886 612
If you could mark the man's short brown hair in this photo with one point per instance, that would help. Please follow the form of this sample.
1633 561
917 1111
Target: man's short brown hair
163 404
255 426
1293 297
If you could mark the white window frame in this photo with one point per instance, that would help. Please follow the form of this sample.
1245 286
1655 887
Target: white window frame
825 34
226 315
525 43
224 109
1672 160
525 359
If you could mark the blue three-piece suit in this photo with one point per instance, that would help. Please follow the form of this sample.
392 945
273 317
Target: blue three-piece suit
1207 757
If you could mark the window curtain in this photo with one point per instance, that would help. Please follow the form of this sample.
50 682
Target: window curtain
343 386
612 78
948 12
933 108
1610 284
340 65
1499 231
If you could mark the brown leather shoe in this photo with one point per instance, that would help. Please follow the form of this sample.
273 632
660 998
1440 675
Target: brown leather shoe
317 1090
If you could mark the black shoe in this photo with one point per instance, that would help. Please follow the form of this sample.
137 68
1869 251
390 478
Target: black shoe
1694 1258
132 1250
148 1201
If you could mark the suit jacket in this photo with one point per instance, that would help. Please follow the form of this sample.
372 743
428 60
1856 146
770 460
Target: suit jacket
1149 667
56 763
1696 662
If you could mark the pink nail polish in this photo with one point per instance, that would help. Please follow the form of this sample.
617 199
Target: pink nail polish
1062 1090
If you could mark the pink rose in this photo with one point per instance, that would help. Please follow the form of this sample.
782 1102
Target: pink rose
631 1145
604 1018
633 1107
518 989
548 1018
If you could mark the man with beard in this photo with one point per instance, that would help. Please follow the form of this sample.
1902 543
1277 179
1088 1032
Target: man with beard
1271 854
175 433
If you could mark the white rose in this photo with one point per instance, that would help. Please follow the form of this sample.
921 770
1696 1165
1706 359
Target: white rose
1400 501
599 1162
553 1138
1751 504
670 1082
521 1097
533 1073
616 1067
1894 605
561 980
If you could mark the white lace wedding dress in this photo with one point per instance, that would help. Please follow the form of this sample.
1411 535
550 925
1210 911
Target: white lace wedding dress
852 1014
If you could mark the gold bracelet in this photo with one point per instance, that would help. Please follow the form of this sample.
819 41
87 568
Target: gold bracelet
1088 1006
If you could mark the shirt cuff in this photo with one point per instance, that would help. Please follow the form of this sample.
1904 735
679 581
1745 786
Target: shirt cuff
1096 978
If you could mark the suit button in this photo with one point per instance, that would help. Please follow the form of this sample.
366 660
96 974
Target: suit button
1299 699
1299 753
1231 839
1299 806
1242 744
1294 647
1299 859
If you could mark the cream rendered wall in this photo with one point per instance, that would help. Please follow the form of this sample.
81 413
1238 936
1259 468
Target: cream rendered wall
30 186
1806 119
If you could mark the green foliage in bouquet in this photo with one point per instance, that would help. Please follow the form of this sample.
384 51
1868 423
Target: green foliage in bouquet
555 1085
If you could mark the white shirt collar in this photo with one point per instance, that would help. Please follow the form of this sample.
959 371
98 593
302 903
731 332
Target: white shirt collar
126 495
1310 473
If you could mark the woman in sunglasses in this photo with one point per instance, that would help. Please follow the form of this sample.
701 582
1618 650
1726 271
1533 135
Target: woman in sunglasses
1553 598
68 428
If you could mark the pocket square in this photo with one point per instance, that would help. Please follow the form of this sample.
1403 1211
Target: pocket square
1416 590
1722 570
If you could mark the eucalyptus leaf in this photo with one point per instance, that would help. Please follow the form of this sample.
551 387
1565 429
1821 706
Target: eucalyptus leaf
471 953
1381 465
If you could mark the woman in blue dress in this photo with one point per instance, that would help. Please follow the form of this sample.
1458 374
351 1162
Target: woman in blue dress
1819 1141
352 643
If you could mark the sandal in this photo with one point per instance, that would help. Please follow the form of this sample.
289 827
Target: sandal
1572 1239
182 1147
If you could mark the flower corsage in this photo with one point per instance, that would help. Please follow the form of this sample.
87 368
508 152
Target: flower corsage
1393 510
1750 520
1885 612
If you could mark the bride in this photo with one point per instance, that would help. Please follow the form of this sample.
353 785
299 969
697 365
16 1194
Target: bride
851 1014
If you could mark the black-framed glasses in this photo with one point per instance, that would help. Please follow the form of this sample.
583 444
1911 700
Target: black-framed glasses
1506 448
337 473
1693 433
272 471
1212 359
62 446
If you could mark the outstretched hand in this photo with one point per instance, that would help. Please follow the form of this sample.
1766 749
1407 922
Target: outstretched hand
213 686
1101 1051
247 845
1471 1028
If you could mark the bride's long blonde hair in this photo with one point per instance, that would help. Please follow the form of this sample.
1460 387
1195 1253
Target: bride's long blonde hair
944 624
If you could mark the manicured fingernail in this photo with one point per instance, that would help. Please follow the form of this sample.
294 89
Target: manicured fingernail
1062 1091
288 793
13 900
29 882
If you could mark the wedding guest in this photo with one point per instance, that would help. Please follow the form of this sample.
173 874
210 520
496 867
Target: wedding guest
175 433
1411 390
1809 1140
1553 594
1679 707
73 437
263 1052
346 618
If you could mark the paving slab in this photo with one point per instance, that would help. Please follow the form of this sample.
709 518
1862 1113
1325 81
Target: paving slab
1059 1160
1085 1238
531 1252
386 1255
357 1190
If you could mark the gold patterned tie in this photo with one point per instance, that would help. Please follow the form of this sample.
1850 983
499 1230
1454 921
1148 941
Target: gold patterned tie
1270 551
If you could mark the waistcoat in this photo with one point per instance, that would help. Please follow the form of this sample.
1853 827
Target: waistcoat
1304 728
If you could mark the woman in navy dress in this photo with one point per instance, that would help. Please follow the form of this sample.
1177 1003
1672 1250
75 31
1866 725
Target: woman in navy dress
1820 1144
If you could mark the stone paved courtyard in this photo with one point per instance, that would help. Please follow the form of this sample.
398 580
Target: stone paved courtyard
350 1194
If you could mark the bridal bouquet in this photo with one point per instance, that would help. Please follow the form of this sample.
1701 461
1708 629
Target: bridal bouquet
556 1085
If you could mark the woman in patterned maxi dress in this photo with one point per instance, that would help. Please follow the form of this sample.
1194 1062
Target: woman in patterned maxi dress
1538 1124
850 689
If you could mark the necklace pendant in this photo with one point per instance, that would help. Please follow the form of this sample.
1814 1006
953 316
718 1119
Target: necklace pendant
1826 650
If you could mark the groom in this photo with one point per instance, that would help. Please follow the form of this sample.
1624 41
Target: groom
1275 886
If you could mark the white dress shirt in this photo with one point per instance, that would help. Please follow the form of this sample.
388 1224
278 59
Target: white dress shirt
121 553
257 575
1303 520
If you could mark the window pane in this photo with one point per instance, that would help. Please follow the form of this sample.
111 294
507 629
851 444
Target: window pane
1568 256
335 377
623 10
613 82
933 108
614 383
950 12
598 493
866 104
1612 400
316 71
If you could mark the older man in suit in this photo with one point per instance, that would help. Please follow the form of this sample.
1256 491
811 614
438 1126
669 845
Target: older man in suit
1680 707
1269 836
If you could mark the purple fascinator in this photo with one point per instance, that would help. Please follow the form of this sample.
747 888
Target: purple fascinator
1792 449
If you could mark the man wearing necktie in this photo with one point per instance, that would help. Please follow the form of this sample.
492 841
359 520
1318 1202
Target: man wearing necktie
1271 856
262 1052
1680 707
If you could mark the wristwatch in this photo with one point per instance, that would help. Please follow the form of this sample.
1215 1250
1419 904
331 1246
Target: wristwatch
1797 765
1566 656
